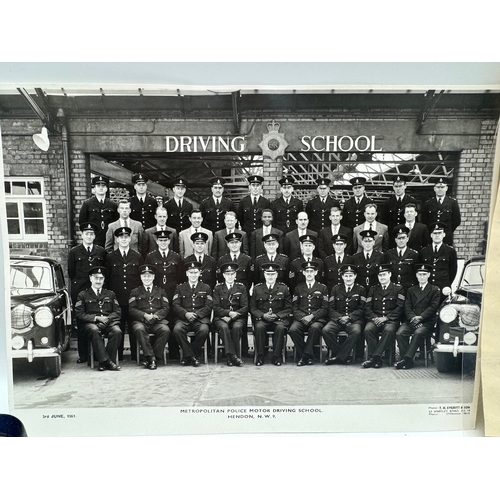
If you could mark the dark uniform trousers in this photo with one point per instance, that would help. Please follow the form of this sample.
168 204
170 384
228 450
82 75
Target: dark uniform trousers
424 303
87 307
79 262
142 302
345 303
305 301
285 214
101 214
227 300
144 212
124 277
198 300
277 300
388 303
319 212
213 215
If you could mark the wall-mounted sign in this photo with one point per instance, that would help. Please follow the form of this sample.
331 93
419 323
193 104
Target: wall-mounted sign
334 143
273 143
204 144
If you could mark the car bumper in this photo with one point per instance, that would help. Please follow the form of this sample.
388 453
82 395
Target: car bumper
455 348
30 353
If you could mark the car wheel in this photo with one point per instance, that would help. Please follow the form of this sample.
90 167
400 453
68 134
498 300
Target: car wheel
445 362
53 366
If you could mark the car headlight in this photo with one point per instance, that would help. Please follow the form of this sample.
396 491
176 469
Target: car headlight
44 317
21 318
448 314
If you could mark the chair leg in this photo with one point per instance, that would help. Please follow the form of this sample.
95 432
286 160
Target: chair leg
138 351
216 345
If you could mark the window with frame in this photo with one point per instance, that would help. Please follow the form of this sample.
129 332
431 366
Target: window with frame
26 211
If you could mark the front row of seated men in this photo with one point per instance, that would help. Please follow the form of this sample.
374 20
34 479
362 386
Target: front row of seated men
385 313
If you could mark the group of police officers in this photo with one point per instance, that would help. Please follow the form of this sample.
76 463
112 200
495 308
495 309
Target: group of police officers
310 271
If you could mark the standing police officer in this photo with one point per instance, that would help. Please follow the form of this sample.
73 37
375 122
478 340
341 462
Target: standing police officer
214 207
251 206
143 206
318 208
179 209
354 207
286 207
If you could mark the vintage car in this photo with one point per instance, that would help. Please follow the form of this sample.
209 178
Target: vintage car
459 318
40 311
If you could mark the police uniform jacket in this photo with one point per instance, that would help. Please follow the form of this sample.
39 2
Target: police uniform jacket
393 211
142 302
319 212
388 303
367 269
250 216
277 300
444 264
325 245
89 305
178 218
285 214
245 271
418 237
353 214
169 270
295 276
343 303
144 212
208 269
123 273
448 212
220 247
291 243
332 270
150 242
312 300
227 300
402 268
199 301
79 262
423 303
257 245
213 215
100 214
280 259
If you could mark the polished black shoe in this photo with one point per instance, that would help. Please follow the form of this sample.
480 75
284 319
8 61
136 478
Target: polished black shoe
229 361
404 364
333 361
259 361
237 361
305 361
112 366
185 362
194 362
369 363
152 365
83 359
377 363
276 361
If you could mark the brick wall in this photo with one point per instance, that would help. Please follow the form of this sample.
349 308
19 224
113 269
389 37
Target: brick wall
472 189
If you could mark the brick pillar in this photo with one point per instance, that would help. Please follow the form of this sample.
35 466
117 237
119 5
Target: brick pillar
472 189
272 173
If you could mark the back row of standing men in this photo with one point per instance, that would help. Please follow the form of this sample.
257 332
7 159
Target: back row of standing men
351 235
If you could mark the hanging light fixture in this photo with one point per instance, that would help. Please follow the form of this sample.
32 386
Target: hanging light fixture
42 139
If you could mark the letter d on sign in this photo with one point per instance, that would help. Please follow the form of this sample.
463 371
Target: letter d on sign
169 138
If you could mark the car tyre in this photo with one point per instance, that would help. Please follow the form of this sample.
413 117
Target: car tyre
445 362
53 366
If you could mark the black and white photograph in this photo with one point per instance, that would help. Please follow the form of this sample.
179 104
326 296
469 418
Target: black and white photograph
245 258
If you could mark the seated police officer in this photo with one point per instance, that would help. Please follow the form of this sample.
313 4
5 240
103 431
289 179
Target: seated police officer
99 314
148 309
271 308
192 305
384 308
230 312
310 311
421 306
346 311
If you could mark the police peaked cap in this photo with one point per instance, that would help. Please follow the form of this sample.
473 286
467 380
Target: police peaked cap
122 231
270 237
439 226
427 268
88 226
286 181
199 236
270 267
348 268
194 264
309 265
97 270
358 181
217 181
140 178
229 267
179 182
307 238
324 181
441 180
147 268
100 178
163 233
339 237
400 178
400 230
255 179
234 237
382 268
368 233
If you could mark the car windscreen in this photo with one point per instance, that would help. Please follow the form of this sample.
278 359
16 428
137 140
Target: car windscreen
31 278
473 275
